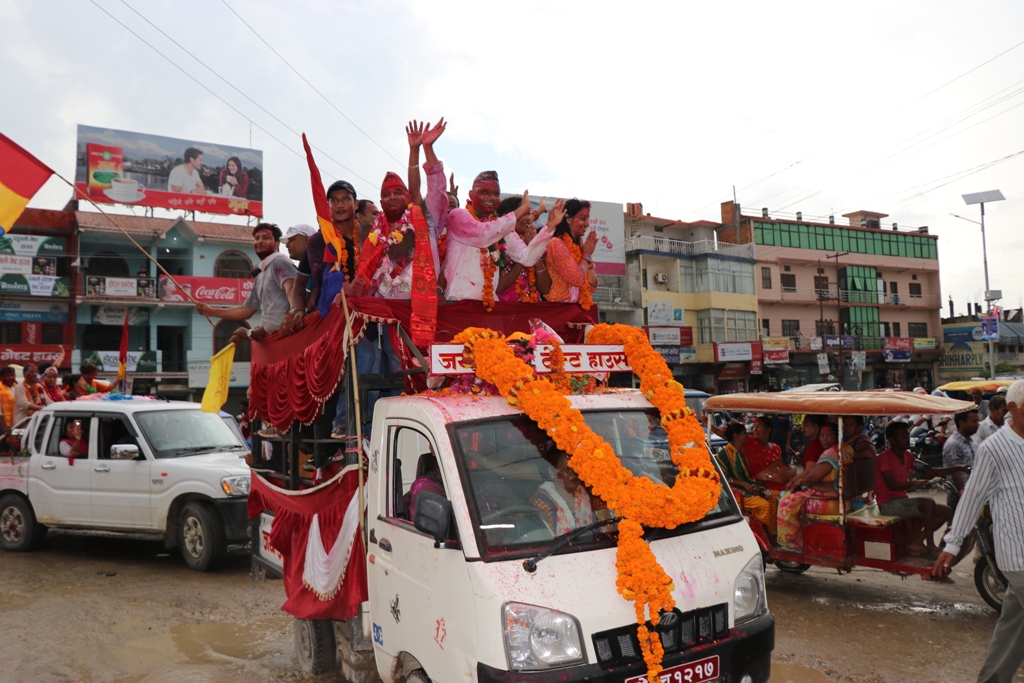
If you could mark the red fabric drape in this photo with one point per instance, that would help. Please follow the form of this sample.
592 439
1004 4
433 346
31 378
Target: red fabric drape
291 377
293 514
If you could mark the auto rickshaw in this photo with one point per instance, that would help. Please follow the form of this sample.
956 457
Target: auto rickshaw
863 537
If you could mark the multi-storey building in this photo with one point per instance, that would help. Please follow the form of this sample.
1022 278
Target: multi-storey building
865 296
693 286
170 344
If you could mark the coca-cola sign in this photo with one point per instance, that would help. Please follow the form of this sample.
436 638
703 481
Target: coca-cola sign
210 290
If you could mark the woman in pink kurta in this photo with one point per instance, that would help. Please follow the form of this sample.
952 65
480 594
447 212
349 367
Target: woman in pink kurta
567 272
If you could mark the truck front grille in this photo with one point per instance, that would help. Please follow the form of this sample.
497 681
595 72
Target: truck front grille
621 645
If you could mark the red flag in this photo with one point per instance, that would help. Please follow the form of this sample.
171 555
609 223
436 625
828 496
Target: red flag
21 176
122 356
323 210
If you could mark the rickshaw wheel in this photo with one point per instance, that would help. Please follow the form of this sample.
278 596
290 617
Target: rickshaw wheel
990 582
792 567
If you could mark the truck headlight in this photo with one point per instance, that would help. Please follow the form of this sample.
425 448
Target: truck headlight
748 598
537 638
235 486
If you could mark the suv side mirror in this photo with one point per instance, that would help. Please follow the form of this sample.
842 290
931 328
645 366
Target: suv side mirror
124 452
433 516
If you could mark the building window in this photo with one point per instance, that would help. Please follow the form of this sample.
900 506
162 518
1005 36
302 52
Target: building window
765 328
886 331
821 286
896 330
222 335
710 326
233 264
894 288
687 284
917 330
822 329
915 290
788 282
766 277
53 333
741 325
790 328
721 275
10 333
835 238
107 264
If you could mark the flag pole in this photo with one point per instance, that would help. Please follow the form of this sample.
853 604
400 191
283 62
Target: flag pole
130 239
358 415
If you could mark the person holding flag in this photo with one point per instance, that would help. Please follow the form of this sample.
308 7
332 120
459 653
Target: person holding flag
122 355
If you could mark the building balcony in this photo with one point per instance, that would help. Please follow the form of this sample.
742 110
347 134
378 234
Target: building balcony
852 297
611 297
681 248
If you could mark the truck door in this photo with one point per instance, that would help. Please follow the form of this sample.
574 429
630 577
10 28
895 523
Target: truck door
410 579
61 483
120 488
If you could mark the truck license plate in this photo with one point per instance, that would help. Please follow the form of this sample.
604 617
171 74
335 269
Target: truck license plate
701 671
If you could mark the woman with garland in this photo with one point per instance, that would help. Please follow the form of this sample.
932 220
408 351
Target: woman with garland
569 258
515 281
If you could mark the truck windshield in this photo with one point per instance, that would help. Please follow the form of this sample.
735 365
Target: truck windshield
175 433
522 493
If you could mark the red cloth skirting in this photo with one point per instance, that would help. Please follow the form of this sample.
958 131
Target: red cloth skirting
292 376
293 515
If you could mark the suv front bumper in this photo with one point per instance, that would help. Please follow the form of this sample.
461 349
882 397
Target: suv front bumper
236 518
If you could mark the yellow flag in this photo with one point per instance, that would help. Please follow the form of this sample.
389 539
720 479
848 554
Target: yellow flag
216 393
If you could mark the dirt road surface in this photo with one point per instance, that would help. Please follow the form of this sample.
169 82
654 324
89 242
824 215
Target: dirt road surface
115 611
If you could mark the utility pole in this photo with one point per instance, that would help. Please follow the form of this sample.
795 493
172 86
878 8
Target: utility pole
839 317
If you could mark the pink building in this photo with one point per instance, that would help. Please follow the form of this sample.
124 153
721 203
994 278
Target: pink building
866 296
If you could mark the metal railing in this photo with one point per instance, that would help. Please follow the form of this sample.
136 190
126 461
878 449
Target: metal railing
860 342
674 247
612 295
849 296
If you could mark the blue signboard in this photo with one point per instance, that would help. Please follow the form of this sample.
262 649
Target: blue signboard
669 353
990 328
897 355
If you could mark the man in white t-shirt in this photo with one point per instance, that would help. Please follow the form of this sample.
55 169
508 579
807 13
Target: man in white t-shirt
185 178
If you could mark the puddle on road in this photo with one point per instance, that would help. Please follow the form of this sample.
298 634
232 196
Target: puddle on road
794 673
913 607
190 653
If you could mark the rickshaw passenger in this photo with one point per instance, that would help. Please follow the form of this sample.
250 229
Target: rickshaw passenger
892 480
820 479
854 436
813 448
756 498
764 459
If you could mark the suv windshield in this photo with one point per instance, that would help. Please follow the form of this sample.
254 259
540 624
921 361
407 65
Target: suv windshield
174 433
522 493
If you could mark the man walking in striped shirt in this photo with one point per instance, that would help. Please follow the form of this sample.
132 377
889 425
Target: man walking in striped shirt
998 479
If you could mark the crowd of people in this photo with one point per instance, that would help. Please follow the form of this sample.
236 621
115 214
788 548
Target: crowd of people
488 250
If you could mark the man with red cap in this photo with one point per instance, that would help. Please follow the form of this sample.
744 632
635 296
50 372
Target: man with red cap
474 234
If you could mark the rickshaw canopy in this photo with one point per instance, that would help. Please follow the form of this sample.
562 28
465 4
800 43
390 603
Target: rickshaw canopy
838 403
986 385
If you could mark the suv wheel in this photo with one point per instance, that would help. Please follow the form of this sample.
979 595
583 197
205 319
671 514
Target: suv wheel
19 530
201 537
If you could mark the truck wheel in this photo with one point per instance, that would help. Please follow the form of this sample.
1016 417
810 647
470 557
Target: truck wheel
315 646
201 537
19 530
417 676
991 584
792 567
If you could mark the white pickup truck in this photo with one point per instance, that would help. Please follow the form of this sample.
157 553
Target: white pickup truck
146 469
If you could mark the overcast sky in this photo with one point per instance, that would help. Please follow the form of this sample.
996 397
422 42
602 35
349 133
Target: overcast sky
892 107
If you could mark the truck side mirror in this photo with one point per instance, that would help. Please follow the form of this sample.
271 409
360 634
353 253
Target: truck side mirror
433 515
124 452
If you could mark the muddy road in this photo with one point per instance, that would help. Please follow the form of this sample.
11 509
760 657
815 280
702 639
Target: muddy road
105 610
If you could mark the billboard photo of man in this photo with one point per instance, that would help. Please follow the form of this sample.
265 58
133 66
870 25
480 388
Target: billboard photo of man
185 177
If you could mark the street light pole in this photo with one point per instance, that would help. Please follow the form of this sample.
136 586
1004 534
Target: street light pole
980 198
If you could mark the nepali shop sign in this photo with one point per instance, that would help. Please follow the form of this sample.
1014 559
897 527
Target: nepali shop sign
32 312
121 287
896 355
736 351
29 353
925 344
123 167
34 285
775 356
448 359
899 343
106 361
32 245
965 354
114 315
211 290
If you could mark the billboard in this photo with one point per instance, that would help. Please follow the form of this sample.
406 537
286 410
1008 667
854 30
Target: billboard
606 218
210 290
122 167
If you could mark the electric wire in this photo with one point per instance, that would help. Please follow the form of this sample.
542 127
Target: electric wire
236 89
304 80
209 90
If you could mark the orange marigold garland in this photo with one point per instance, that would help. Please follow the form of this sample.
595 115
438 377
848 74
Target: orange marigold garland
637 501
529 294
585 300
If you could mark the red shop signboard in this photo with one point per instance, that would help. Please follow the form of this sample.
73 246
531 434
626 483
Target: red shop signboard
210 290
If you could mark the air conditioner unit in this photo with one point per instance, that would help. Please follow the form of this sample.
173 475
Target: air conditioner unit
661 278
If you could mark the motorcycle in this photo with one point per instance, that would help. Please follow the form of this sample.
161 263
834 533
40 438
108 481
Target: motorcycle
989 581
926 446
